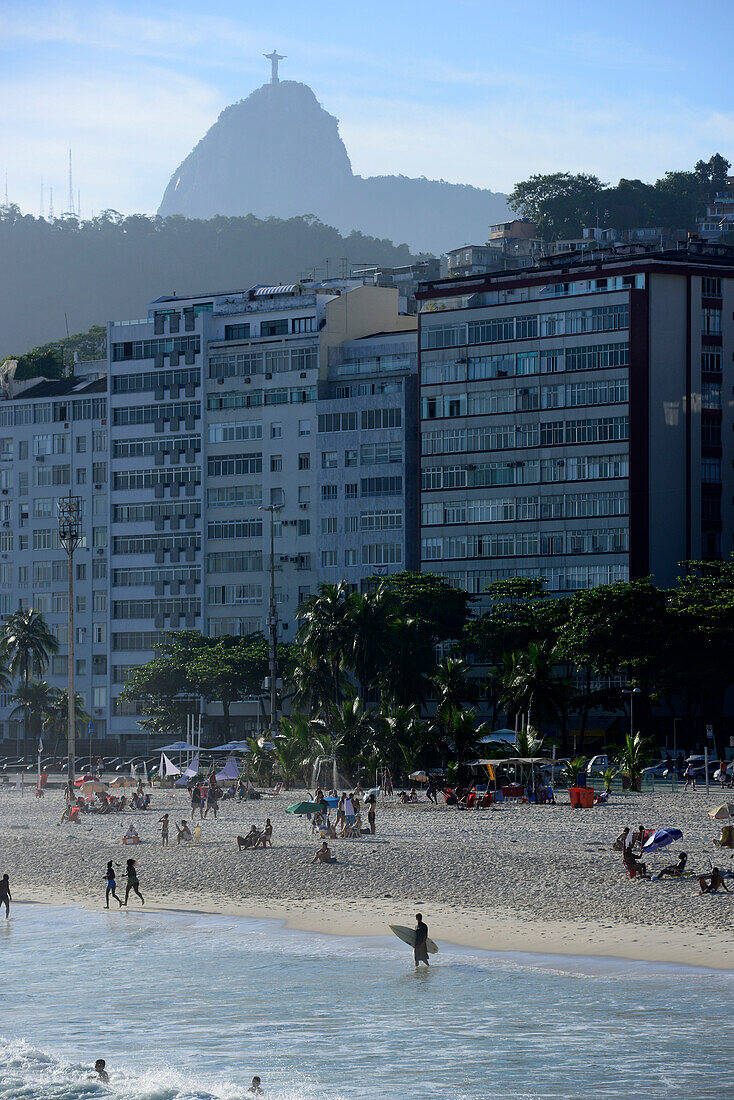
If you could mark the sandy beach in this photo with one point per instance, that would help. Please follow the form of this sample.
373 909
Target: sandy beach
520 878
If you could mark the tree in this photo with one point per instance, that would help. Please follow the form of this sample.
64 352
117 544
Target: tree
344 730
368 619
324 634
58 716
227 670
519 613
531 686
35 700
27 645
560 204
440 608
633 758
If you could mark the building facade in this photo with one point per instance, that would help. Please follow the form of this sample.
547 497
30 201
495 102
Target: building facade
572 421
212 416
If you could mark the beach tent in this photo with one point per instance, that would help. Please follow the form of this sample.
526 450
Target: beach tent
230 773
177 746
166 767
191 772
231 746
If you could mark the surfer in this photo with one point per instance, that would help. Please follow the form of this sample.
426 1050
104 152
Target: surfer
420 950
255 1089
100 1073
5 896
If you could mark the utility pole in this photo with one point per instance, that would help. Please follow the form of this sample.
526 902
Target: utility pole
272 621
69 513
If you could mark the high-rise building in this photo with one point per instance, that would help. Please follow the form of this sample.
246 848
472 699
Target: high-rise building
572 421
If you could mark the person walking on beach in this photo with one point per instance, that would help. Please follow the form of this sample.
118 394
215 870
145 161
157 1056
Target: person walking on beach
689 777
5 896
111 887
196 803
420 949
132 881
371 801
164 830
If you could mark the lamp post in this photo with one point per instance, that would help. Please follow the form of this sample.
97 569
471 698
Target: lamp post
273 509
632 692
69 515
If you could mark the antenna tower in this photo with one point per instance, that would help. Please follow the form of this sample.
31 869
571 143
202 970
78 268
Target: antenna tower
51 204
70 209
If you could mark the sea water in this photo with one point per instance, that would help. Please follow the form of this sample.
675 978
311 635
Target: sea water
188 1007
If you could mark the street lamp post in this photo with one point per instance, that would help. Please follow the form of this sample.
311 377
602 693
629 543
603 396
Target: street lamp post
632 692
273 509
69 514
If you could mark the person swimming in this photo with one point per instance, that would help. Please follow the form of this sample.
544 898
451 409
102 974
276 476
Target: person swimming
100 1073
255 1088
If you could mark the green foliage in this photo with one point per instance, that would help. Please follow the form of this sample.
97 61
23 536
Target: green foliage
572 769
609 776
442 609
530 684
563 204
634 756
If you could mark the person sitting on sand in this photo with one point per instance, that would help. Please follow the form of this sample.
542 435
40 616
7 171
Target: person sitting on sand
710 883
323 855
249 841
675 870
184 832
131 836
100 1073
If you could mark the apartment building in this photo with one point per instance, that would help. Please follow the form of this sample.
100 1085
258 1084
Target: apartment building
572 420
217 429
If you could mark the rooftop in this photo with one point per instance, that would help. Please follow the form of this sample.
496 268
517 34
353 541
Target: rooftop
63 387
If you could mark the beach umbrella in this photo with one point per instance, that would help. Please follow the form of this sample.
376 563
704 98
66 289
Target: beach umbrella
83 779
304 808
124 781
231 746
93 786
723 812
660 838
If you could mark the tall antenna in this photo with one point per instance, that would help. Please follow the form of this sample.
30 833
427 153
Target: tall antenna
7 203
70 209
51 204
40 208
79 205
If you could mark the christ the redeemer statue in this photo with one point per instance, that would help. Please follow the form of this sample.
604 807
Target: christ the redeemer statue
274 58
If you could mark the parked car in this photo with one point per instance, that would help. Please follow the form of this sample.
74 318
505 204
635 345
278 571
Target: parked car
599 764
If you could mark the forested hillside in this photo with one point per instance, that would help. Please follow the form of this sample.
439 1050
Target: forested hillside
54 275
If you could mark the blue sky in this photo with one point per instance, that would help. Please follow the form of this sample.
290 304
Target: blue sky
471 91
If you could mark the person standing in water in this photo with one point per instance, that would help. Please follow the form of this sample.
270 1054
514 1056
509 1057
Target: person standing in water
255 1088
111 885
132 881
420 949
5 896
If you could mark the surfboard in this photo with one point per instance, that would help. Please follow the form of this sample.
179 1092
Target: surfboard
407 935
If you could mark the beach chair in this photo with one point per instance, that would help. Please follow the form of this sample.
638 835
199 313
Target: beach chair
275 791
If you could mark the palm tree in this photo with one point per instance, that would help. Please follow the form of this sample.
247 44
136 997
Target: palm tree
462 732
58 715
368 621
408 662
27 644
324 634
403 730
451 686
530 684
290 759
632 759
35 701
347 727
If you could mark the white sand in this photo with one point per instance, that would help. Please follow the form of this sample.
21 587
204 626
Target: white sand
519 878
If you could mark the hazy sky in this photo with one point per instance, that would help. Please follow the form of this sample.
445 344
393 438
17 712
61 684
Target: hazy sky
471 91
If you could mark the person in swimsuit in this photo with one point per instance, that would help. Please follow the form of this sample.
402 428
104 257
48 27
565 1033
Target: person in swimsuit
5 896
710 883
255 1089
111 885
420 950
196 803
674 870
323 855
132 881
164 830
100 1073
184 833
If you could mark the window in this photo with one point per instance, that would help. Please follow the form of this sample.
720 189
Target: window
711 322
81 666
304 461
350 490
381 521
381 486
274 328
304 527
711 395
338 422
235 433
41 445
99 440
81 604
81 476
710 287
304 427
276 431
231 465
100 601
381 418
99 471
328 525
43 538
81 571
351 557
81 635
23 450
382 553
328 492
81 444
304 494
711 361
236 332
328 558
351 524
99 634
380 453
59 665
303 324
99 536
276 464
99 696
235 529
43 507
61 444
328 460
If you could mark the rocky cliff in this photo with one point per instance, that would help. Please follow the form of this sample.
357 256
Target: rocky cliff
278 153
